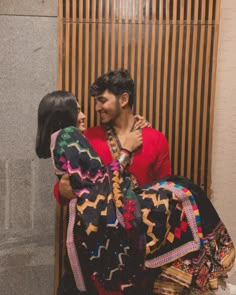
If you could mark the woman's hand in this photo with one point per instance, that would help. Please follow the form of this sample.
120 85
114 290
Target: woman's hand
141 122
133 141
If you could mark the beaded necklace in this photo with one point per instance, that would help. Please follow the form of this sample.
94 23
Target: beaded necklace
115 147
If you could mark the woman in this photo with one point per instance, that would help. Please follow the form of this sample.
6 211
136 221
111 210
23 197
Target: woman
117 237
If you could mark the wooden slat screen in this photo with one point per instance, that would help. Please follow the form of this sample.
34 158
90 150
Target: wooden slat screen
170 48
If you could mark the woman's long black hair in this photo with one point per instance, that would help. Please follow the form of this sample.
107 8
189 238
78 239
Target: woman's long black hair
56 110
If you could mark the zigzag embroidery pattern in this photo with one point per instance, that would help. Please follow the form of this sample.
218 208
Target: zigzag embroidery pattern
81 150
98 254
88 203
99 176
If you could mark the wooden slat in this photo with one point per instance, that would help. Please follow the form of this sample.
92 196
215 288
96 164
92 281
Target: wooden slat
192 81
67 45
185 81
139 56
198 97
74 45
57 275
106 36
80 52
175 157
133 40
119 65
152 59
145 60
93 59
86 56
60 43
159 61
217 17
166 63
206 91
213 88
113 34
99 44
126 36
172 80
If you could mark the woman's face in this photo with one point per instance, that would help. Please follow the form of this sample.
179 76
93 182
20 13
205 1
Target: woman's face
80 119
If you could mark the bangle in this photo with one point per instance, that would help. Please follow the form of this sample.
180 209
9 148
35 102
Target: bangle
124 159
129 153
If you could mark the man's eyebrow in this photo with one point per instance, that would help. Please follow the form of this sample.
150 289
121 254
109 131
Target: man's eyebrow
100 97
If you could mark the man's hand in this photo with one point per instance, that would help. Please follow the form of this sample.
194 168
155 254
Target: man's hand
65 189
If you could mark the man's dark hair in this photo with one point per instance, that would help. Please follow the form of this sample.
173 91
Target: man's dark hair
56 111
117 82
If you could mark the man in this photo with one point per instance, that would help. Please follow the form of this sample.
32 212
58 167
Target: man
114 94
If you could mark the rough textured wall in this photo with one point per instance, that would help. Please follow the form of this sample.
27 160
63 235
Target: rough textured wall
28 70
224 133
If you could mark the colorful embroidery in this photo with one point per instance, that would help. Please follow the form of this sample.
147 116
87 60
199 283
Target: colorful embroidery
112 228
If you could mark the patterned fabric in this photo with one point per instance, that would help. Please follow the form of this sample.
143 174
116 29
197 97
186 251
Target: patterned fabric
151 162
114 231
115 147
95 238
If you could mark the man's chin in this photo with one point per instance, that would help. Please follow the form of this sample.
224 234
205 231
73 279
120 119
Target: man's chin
104 121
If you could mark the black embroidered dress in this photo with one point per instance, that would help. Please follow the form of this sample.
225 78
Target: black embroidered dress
116 234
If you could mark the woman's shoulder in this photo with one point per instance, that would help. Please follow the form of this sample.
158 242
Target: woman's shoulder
69 133
66 136
68 130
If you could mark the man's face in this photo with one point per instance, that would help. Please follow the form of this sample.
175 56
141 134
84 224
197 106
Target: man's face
108 107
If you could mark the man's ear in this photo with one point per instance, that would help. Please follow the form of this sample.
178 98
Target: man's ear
124 99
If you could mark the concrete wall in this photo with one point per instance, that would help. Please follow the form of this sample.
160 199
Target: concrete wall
224 133
28 70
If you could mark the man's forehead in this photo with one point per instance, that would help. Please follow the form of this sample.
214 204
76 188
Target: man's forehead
105 94
99 96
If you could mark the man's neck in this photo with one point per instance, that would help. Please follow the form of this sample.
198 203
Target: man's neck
124 122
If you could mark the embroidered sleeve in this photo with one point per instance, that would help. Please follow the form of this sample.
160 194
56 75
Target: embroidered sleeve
74 155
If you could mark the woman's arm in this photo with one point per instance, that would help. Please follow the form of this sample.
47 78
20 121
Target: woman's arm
63 191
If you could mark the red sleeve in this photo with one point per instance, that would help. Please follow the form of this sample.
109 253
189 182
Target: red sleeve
162 165
60 201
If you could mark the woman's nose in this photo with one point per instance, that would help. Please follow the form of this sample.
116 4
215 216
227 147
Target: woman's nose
82 115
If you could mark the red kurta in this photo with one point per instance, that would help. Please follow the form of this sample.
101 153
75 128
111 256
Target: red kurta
150 162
